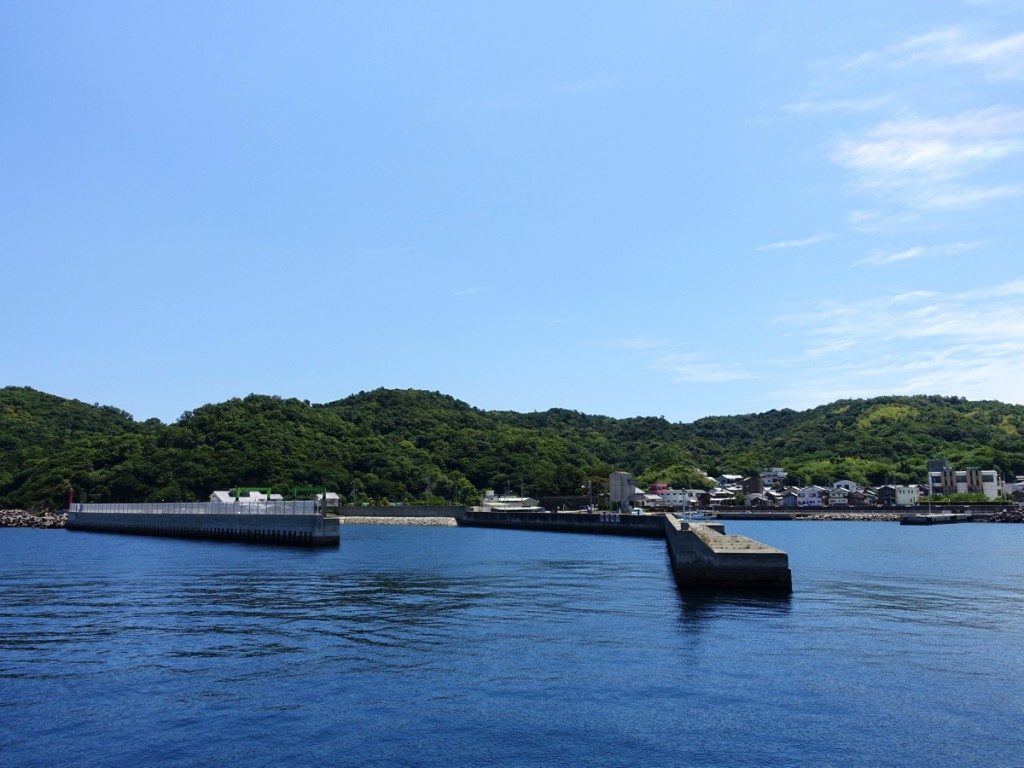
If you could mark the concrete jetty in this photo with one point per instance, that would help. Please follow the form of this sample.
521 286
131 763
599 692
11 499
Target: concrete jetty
703 555
935 518
296 523
567 522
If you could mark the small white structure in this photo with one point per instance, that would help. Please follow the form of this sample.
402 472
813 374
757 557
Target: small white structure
812 496
906 495
770 475
847 485
249 497
492 503
622 490
839 496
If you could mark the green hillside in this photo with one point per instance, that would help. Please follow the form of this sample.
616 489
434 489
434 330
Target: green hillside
410 445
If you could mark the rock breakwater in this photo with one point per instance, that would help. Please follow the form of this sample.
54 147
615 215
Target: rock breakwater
445 522
858 516
19 518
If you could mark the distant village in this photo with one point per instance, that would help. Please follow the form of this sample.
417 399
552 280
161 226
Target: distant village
769 489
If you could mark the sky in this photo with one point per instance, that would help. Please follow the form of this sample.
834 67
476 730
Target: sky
647 208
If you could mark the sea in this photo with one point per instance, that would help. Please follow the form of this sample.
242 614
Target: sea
442 647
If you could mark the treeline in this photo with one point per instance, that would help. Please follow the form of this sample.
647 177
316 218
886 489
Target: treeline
425 447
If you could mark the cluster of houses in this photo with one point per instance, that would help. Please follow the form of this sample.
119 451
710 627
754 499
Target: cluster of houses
768 489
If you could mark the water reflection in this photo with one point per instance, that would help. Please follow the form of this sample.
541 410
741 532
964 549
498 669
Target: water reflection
701 604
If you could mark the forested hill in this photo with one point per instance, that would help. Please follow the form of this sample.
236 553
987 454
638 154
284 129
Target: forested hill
411 445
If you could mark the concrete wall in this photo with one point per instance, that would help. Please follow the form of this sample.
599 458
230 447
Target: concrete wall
409 511
300 530
568 522
703 555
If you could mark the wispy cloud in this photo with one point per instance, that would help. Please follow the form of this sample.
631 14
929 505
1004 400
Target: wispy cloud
472 291
881 258
968 343
553 92
640 343
783 245
811 106
670 357
692 368
1000 58
880 221
926 163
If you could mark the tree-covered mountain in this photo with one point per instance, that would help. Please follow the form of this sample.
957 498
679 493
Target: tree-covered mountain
410 445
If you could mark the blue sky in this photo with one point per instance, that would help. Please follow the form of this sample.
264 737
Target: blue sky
676 209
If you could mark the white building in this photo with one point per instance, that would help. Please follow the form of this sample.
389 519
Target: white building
770 475
812 496
621 487
848 485
906 495
684 497
839 496
249 497
492 503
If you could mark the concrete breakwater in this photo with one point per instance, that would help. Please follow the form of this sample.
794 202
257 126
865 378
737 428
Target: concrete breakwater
568 522
19 518
290 523
703 555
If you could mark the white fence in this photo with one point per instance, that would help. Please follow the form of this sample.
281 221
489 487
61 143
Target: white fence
303 507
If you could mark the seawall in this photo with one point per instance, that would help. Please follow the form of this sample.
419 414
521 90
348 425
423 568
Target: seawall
310 530
703 555
567 522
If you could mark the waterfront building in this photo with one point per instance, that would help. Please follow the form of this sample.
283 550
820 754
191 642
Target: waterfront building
906 495
886 495
970 480
812 496
685 497
839 496
492 503
771 475
847 485
622 490
752 484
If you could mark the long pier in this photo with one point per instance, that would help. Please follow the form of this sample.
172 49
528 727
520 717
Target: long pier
295 523
702 555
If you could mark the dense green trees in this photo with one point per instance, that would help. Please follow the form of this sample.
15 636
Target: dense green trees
409 445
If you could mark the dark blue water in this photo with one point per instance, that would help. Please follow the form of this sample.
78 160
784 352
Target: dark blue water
448 647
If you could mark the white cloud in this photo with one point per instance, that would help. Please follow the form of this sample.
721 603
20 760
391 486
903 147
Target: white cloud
696 369
926 163
881 258
999 58
803 243
876 221
968 343
640 343
667 356
811 106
